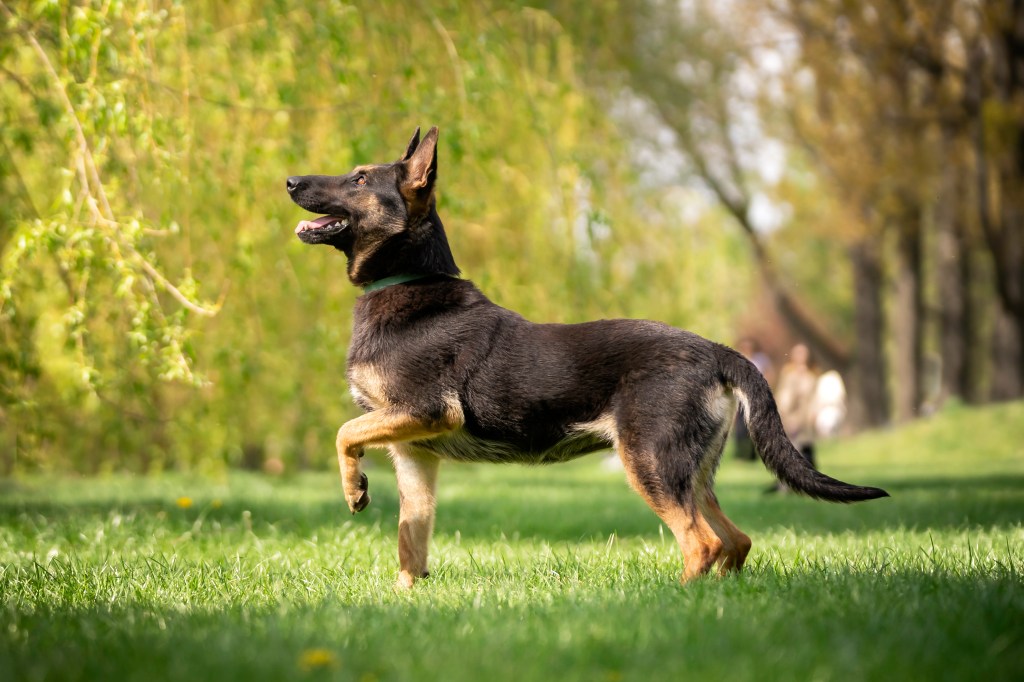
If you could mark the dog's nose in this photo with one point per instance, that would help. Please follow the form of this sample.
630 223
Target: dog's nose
293 183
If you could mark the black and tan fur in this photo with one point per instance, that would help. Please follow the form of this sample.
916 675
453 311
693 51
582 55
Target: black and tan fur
444 373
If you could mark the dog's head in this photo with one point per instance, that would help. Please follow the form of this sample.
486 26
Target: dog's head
382 216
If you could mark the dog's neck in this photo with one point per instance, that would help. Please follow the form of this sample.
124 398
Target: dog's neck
421 248
390 282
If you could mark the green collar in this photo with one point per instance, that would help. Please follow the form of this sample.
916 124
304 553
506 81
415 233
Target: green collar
390 281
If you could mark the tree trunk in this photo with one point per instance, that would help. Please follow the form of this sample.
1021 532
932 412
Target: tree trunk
953 267
1013 256
1006 357
1013 188
998 147
973 380
909 322
1007 247
869 393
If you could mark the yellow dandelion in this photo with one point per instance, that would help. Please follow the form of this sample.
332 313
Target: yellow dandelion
313 659
184 502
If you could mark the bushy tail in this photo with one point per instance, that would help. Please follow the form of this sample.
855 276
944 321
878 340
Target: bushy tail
771 442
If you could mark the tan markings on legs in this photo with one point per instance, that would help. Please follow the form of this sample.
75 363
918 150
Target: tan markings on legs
736 543
721 405
353 480
382 427
417 479
638 470
699 544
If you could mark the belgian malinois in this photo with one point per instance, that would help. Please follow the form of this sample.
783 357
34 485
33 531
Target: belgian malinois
444 373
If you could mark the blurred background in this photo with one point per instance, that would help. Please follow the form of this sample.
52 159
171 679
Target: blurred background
843 174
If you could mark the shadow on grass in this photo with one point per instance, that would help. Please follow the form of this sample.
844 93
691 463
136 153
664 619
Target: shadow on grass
527 505
929 504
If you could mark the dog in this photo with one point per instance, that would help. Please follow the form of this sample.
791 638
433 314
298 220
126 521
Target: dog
442 373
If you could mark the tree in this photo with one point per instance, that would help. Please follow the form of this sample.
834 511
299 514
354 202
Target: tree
954 65
884 102
193 114
690 64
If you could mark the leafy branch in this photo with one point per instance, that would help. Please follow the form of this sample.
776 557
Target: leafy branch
78 245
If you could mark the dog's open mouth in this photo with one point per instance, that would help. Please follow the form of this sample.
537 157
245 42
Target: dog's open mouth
326 229
328 224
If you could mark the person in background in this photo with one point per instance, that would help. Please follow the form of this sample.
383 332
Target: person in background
743 446
829 404
795 397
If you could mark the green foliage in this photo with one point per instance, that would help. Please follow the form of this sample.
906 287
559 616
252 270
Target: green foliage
191 116
82 295
537 573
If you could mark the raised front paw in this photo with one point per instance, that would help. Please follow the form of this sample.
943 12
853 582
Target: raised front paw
357 496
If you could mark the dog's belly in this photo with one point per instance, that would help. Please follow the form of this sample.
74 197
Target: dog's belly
462 446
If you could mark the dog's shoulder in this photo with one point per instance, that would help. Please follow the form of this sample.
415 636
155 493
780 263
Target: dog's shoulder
412 343
405 319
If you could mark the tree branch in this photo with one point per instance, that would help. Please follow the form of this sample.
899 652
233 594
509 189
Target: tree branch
89 172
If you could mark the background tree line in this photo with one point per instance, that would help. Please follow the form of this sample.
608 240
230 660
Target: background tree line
900 122
860 162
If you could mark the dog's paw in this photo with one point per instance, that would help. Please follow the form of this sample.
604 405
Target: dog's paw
359 498
406 580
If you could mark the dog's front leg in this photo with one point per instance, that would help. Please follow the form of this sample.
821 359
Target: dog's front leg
353 480
417 480
383 427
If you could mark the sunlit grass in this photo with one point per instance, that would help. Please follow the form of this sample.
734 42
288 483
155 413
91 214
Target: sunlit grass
557 573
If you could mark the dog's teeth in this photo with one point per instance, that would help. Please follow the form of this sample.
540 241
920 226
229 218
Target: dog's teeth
336 224
344 223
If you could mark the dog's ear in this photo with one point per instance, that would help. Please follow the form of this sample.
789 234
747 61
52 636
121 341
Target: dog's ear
413 143
419 171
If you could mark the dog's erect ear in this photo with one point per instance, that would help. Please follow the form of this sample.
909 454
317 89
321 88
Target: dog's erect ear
413 143
419 171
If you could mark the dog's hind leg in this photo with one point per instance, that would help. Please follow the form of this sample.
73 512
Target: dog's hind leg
671 462
417 480
700 545
735 543
698 541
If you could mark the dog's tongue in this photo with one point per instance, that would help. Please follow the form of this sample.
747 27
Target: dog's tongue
316 224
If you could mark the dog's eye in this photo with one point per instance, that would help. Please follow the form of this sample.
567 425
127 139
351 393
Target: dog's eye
361 180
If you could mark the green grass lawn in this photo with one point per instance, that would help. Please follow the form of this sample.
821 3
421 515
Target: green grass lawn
557 573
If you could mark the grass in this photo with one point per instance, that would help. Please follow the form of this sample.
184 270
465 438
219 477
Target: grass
537 573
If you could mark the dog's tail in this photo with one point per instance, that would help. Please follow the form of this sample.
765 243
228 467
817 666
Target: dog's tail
771 442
